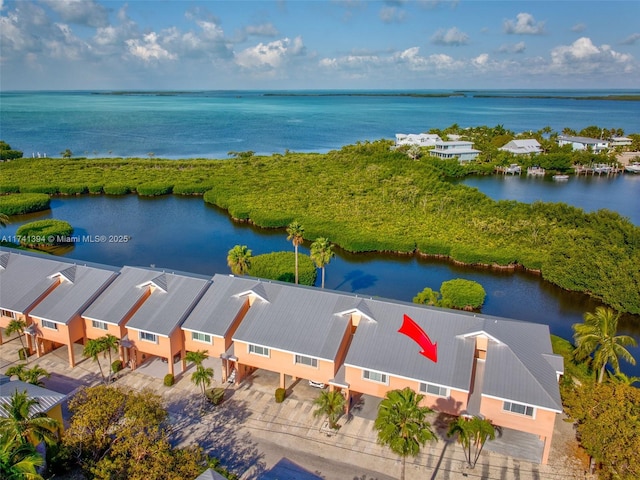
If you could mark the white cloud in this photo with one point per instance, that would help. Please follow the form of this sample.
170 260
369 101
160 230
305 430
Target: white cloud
579 27
631 39
81 12
148 48
582 56
481 60
262 30
271 55
524 24
519 47
392 15
451 37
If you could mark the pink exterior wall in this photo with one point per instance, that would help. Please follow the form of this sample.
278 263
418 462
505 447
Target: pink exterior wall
214 349
454 404
166 347
93 333
65 335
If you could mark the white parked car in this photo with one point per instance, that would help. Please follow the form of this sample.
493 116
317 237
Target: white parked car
316 384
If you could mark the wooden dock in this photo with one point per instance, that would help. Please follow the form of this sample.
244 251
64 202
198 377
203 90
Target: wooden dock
597 169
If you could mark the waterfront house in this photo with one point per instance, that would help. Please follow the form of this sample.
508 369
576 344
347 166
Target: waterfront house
49 295
620 141
417 139
584 143
299 332
522 147
461 150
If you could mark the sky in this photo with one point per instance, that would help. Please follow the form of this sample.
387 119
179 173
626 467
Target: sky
341 44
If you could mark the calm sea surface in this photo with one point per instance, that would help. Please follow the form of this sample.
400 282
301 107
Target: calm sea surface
210 124
185 234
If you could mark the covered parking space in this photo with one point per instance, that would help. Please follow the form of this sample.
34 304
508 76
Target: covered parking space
517 444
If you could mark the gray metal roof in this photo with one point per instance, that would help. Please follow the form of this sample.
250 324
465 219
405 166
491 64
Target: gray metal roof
166 309
295 319
121 295
578 139
47 398
220 304
210 474
70 298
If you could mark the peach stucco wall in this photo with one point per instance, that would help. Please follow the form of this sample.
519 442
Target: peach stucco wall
166 347
214 349
283 362
93 333
542 424
454 404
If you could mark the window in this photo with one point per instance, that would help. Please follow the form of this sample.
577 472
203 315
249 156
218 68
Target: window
434 390
8 313
99 324
375 376
518 408
258 350
311 362
148 337
48 324
201 337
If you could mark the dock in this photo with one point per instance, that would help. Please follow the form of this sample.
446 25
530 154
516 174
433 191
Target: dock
597 169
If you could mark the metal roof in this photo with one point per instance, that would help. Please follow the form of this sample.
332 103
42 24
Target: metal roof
119 298
164 310
47 398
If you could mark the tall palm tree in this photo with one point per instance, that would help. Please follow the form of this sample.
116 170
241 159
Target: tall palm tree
239 259
19 461
17 326
474 433
202 377
93 349
322 253
330 404
19 424
402 424
597 336
109 343
295 233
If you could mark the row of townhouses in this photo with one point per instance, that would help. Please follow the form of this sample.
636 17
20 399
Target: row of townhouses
501 369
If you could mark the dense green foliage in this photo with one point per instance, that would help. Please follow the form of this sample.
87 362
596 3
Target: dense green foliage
573 369
281 266
168 380
607 417
280 394
44 232
21 203
458 293
154 189
366 197
7 153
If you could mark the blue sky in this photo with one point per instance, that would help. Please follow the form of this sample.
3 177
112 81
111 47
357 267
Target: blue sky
348 44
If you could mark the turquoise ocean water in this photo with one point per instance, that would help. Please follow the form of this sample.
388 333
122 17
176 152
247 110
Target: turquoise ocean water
211 124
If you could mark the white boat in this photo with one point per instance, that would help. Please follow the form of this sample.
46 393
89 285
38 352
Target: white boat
560 178
536 171
633 168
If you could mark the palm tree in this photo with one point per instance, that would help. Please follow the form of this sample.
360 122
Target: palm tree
626 379
19 424
29 375
330 404
474 433
196 357
239 259
17 326
109 343
295 231
19 461
597 336
4 220
92 349
402 424
202 377
322 253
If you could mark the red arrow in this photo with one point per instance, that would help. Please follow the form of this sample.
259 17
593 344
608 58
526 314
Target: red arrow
412 330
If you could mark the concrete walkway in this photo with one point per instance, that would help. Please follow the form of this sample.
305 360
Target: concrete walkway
254 436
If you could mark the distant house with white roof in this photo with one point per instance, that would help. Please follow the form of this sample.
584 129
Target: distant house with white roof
620 141
522 147
461 150
418 139
584 143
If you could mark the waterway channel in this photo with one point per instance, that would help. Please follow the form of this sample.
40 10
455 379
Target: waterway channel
185 234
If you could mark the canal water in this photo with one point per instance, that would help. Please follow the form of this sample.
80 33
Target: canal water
185 234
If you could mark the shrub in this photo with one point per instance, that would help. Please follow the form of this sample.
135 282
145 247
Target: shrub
461 293
169 380
190 189
22 354
116 366
21 203
73 190
281 266
154 189
215 395
48 189
281 393
4 189
95 189
116 189
44 232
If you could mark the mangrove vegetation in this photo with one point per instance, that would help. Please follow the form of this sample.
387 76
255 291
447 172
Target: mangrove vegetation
367 198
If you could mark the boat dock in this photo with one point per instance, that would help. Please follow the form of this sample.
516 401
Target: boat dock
597 169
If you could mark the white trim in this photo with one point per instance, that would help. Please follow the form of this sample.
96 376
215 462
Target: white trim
147 331
295 361
250 292
482 332
140 332
93 322
42 320
533 412
408 378
351 311
426 392
210 342
13 312
516 401
91 319
200 331
234 339
249 345
386 382
151 283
